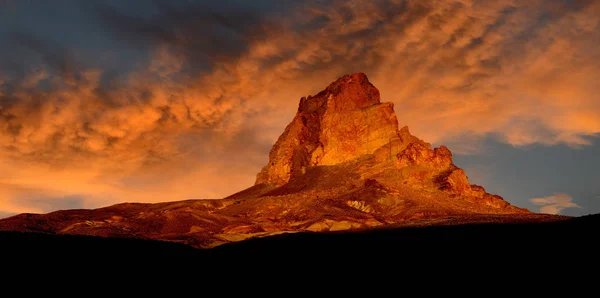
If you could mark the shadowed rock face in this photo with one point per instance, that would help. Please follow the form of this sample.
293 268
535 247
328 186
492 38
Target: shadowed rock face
342 163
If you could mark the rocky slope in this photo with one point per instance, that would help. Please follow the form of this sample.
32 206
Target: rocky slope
342 163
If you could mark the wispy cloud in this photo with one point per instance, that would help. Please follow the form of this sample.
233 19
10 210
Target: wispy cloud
554 204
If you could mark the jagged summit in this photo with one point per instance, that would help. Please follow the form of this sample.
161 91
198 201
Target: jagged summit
342 163
340 123
350 92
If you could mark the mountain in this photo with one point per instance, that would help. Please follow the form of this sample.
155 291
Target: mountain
342 163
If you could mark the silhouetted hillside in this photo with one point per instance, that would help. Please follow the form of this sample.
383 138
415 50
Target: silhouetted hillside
490 245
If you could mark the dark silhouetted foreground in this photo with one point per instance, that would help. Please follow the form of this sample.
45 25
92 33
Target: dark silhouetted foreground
572 241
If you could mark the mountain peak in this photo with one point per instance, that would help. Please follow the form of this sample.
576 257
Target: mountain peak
338 124
347 122
350 92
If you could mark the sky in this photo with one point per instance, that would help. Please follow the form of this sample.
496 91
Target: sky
104 102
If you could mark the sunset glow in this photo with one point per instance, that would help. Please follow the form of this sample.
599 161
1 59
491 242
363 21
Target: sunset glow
149 102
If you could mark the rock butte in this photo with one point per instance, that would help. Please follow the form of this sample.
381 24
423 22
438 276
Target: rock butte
347 121
342 163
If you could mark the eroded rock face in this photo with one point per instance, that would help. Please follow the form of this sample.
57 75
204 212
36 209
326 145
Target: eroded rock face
346 121
340 123
454 180
417 153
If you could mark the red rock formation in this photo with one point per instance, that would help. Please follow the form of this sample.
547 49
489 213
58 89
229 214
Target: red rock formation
346 121
340 123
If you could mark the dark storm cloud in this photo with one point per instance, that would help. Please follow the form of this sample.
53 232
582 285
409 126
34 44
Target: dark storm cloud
202 32
51 53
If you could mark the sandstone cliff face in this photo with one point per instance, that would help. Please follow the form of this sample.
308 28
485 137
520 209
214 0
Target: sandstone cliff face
347 121
340 123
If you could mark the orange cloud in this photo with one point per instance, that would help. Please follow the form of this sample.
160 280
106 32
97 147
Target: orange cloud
456 70
554 204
